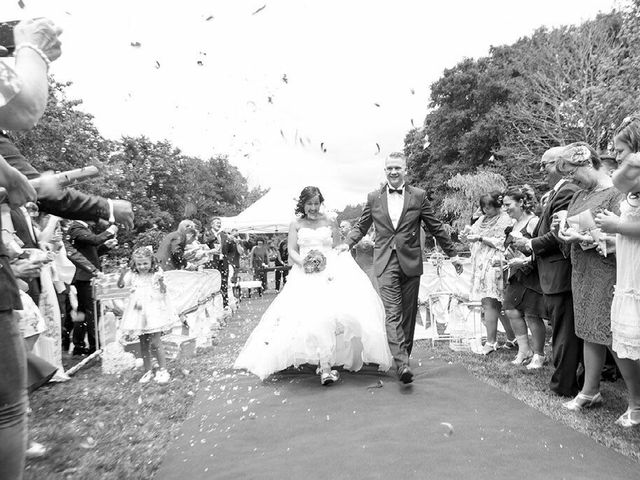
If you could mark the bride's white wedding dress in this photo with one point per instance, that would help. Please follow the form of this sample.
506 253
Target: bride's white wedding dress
334 315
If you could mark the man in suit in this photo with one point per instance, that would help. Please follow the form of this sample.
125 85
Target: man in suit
170 254
397 211
223 247
87 243
554 268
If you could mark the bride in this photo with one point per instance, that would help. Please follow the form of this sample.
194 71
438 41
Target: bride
327 314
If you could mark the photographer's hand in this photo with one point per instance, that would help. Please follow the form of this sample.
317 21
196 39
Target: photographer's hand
41 33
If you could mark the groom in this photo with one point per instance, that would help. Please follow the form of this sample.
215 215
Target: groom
397 210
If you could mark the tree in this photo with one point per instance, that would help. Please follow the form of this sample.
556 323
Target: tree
462 202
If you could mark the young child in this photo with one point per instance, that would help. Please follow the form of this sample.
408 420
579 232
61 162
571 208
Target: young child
148 312
625 309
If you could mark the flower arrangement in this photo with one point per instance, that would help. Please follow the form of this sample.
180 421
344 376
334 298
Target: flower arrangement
314 261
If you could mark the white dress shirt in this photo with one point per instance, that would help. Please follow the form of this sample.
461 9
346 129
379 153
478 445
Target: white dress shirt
395 203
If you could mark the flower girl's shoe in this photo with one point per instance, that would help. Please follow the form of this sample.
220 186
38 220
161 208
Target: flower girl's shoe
327 378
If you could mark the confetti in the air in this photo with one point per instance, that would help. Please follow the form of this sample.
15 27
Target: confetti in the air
157 64
449 431
21 4
259 10
377 105
210 17
285 79
413 92
378 147
136 44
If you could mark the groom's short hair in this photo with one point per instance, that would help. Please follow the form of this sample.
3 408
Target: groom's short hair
399 155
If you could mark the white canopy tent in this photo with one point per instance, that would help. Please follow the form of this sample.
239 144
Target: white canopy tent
272 213
275 210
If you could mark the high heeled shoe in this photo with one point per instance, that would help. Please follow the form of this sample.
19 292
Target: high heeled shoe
521 358
537 361
489 347
582 401
630 418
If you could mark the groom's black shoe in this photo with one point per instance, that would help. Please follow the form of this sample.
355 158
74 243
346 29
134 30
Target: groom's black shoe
405 374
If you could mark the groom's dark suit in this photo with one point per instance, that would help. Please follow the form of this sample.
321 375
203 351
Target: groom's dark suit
397 258
554 267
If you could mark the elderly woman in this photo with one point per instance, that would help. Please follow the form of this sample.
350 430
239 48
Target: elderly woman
487 237
523 302
593 272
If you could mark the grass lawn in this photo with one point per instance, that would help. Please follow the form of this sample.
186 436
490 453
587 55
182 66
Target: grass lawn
111 427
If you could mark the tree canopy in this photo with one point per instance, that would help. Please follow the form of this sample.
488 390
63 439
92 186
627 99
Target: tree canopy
499 113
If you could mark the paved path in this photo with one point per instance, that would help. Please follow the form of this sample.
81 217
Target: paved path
447 424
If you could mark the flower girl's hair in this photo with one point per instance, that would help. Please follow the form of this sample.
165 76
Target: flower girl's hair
143 253
629 132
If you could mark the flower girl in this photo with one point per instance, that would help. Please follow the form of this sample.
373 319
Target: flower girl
147 313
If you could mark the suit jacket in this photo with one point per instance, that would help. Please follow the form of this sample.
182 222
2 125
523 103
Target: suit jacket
170 252
71 203
406 237
226 247
86 243
554 264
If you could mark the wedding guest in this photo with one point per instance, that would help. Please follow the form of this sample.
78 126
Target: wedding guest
625 308
22 102
218 241
170 252
554 271
91 246
345 228
260 261
235 253
593 274
487 237
523 302
609 164
283 252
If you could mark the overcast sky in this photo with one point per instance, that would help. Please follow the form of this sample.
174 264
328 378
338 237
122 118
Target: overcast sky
208 75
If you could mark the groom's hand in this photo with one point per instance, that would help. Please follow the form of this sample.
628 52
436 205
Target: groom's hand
457 263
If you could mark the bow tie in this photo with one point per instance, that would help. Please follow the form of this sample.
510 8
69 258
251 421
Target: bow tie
395 190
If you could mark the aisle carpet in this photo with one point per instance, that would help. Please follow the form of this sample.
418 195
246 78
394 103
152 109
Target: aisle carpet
446 425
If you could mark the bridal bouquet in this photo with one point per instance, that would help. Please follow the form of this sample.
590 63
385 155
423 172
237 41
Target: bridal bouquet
315 261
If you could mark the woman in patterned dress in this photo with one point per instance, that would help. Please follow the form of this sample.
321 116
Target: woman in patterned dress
487 236
593 273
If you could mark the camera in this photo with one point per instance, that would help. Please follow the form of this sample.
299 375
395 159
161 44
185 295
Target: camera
6 35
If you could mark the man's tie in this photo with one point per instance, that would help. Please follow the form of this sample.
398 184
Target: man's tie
395 190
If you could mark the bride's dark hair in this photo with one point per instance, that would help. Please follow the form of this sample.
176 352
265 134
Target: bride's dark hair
307 194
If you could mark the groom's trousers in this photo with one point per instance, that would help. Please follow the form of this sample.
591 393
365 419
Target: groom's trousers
399 294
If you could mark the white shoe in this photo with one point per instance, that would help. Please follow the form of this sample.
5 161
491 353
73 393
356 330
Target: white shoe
162 376
146 378
328 378
36 450
487 348
522 358
536 362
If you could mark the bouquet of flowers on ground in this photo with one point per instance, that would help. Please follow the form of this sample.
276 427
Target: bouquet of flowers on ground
314 261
